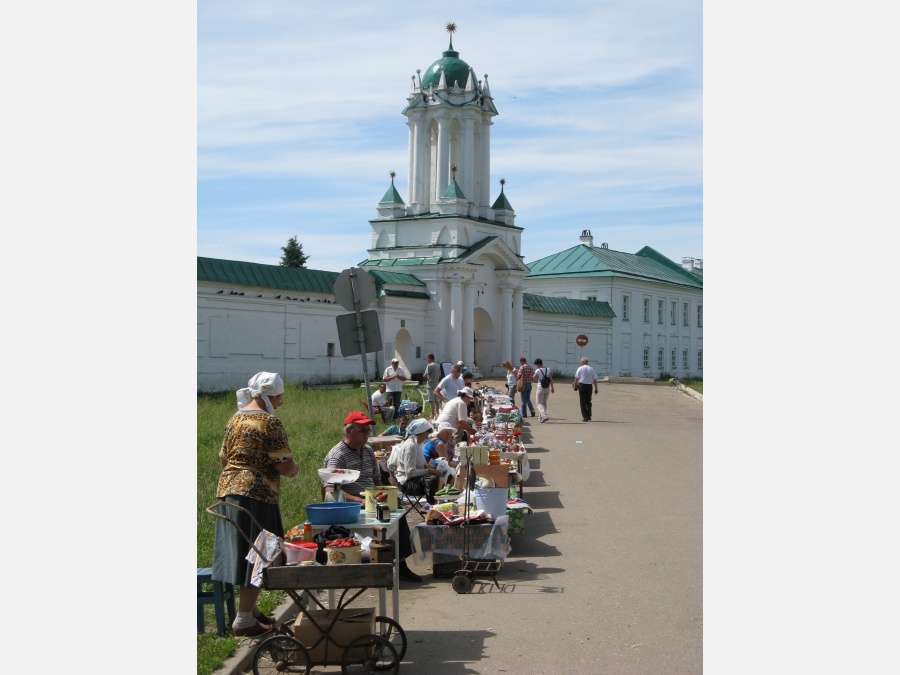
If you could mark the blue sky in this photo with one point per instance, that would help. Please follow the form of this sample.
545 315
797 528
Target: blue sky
299 120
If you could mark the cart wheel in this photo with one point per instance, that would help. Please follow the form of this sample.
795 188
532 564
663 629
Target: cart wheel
281 654
462 582
391 631
370 654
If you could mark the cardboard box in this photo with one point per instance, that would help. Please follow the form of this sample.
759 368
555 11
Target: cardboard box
480 454
352 623
499 473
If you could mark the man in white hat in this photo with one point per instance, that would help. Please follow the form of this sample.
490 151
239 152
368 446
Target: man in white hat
456 413
393 380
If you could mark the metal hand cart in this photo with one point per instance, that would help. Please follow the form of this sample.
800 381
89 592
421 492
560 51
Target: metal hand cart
378 652
462 580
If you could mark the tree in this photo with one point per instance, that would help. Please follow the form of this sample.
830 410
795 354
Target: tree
293 254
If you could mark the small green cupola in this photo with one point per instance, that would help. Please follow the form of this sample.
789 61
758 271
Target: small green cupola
453 200
503 210
391 205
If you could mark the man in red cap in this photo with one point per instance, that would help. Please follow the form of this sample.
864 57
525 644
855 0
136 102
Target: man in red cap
354 453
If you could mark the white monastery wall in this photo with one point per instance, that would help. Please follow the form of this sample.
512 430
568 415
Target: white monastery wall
631 334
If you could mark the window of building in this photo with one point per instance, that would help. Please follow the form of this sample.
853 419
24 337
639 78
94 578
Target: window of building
592 298
330 351
646 358
684 359
699 359
660 359
684 315
699 316
646 310
672 313
624 308
673 358
418 352
659 312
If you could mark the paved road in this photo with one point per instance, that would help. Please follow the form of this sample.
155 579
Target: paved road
607 577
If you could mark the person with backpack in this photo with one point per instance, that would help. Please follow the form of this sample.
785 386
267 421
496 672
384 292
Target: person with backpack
545 387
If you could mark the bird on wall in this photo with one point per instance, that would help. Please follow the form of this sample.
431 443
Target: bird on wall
220 292
278 297
258 296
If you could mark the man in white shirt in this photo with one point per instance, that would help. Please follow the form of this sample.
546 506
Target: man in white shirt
380 400
585 377
393 378
449 387
456 412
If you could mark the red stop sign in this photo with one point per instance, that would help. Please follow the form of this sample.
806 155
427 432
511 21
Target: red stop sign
581 339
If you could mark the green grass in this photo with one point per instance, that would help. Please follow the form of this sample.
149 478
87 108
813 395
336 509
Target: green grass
314 421
695 383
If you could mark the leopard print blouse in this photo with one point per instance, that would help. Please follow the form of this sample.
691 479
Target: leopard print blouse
254 443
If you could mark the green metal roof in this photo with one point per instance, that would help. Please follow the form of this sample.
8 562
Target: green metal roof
590 261
455 70
548 305
398 278
435 216
502 202
407 294
453 191
391 196
402 262
265 276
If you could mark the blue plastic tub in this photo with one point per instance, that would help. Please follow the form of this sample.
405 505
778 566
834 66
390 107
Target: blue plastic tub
333 513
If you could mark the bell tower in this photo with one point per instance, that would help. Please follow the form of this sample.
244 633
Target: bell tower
449 115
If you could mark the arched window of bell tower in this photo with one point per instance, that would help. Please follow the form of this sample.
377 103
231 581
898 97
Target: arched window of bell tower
444 236
383 240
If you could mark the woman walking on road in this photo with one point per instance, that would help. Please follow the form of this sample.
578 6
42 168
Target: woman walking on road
511 379
545 387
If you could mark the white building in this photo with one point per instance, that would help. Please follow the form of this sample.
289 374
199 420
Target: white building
450 276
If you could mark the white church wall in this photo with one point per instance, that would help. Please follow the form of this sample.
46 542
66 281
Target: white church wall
551 337
630 333
237 338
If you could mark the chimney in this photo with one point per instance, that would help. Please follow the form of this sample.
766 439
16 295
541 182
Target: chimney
586 238
692 264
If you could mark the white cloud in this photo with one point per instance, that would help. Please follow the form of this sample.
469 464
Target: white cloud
600 113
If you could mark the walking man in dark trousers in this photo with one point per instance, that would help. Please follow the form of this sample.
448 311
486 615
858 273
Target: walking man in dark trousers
585 378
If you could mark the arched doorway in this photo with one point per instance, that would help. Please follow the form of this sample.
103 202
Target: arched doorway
403 347
485 343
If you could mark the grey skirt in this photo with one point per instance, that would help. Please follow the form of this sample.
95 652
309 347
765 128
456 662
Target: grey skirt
230 548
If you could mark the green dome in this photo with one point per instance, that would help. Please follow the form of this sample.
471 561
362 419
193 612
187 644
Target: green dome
455 70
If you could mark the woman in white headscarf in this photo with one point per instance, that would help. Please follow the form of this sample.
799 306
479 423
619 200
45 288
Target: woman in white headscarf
413 476
255 455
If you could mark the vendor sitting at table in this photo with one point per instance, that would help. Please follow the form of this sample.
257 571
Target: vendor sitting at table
355 454
439 452
414 477
398 429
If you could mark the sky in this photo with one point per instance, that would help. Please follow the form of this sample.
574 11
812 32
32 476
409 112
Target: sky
299 120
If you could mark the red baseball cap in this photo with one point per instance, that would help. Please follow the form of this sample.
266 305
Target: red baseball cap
357 417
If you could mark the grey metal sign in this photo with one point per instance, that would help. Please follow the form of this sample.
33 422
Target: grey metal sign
343 288
349 334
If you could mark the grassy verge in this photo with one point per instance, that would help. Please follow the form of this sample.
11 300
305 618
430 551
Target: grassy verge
695 383
313 419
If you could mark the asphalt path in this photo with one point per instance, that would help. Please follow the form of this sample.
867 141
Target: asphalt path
607 577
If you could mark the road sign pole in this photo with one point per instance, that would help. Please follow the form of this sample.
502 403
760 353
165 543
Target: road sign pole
361 338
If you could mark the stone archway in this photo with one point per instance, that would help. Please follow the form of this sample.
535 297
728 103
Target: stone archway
485 343
404 350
